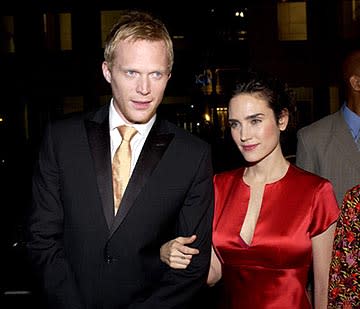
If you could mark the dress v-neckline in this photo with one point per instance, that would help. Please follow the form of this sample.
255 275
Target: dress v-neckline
266 186
253 212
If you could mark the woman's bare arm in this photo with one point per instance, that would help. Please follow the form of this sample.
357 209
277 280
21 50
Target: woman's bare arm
322 248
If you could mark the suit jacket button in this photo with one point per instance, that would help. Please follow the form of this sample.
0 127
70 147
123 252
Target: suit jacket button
108 259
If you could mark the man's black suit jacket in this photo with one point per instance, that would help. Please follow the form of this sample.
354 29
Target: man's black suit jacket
88 258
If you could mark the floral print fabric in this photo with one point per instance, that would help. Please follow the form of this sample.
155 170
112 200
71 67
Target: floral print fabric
344 284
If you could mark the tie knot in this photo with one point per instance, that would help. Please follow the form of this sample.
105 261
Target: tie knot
127 132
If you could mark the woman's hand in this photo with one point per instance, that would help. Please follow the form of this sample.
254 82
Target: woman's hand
176 254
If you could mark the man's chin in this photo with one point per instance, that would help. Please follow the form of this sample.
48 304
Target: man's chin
140 120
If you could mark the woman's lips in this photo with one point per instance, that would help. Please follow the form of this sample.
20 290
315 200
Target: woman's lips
249 147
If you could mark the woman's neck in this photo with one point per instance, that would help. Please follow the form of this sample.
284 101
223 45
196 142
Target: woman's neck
268 170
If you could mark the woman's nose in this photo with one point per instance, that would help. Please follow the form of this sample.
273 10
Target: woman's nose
244 134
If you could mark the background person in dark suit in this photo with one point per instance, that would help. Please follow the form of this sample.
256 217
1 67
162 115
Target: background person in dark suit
330 147
88 255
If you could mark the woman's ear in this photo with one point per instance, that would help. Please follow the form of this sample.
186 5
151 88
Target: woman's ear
283 119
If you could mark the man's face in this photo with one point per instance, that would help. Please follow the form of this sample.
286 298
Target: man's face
138 78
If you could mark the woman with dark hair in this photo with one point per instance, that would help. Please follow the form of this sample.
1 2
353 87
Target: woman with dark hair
273 221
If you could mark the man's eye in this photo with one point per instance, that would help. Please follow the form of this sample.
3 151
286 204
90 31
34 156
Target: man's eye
130 73
156 75
255 121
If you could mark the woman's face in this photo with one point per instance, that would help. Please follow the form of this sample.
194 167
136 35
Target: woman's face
254 128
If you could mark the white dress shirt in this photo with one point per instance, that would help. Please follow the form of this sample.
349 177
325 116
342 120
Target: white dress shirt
136 143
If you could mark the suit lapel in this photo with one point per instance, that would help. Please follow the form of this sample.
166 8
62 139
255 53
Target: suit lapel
97 127
345 142
154 148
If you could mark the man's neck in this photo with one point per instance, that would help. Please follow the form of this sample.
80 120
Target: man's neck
354 103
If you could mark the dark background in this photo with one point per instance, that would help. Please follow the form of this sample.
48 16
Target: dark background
37 77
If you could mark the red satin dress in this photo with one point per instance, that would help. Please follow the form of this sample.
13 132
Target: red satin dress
271 271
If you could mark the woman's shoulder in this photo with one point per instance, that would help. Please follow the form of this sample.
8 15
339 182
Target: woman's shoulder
301 174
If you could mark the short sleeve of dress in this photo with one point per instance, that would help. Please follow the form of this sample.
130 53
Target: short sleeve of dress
325 209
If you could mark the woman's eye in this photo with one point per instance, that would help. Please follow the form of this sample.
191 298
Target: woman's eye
255 121
233 125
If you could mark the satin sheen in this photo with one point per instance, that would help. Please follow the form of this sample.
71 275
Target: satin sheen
272 271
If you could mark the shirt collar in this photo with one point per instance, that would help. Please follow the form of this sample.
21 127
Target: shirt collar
352 120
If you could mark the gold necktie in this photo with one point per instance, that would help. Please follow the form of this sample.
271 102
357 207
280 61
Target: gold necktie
121 164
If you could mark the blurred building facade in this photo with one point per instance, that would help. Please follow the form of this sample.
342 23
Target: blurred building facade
51 54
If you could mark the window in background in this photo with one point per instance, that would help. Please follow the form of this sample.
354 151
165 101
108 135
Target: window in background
65 31
304 98
49 22
57 30
105 99
350 19
7 44
107 19
292 24
222 118
73 104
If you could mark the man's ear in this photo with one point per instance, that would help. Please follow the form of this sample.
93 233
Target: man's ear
106 71
355 82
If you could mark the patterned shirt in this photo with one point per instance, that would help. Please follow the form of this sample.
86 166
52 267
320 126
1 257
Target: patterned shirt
344 284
